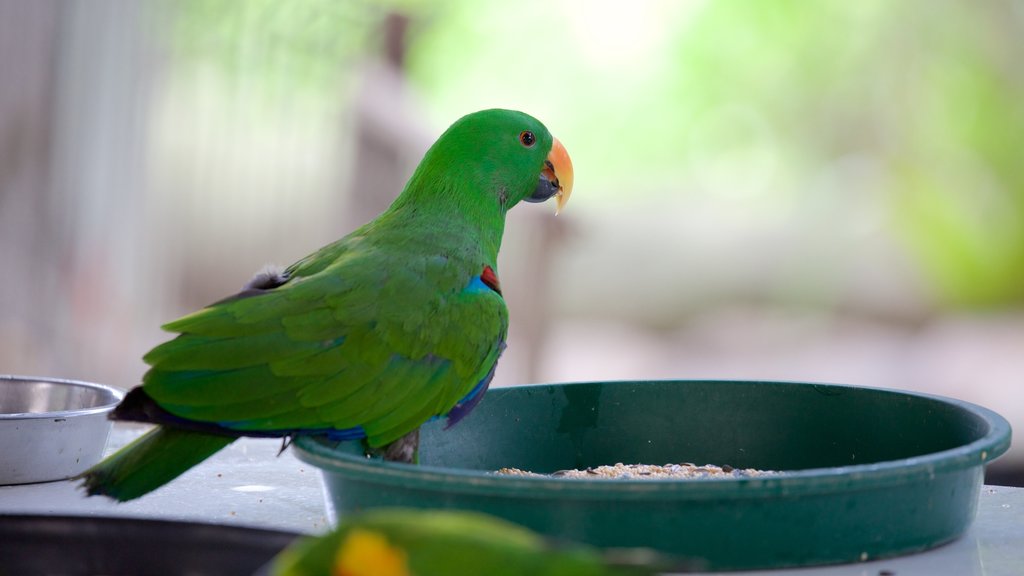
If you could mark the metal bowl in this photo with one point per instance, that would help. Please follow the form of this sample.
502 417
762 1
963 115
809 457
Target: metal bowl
51 429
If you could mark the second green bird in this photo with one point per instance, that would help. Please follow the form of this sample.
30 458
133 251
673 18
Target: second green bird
396 542
399 322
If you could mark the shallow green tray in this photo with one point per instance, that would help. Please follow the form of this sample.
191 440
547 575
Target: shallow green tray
870 473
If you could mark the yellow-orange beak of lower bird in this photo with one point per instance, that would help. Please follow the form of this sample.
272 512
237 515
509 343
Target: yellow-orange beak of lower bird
555 178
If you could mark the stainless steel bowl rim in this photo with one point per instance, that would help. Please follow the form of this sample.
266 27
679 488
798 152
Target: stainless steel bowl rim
117 394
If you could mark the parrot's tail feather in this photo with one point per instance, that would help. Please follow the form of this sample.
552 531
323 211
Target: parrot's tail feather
154 459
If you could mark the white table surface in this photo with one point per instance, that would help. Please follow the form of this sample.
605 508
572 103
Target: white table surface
250 484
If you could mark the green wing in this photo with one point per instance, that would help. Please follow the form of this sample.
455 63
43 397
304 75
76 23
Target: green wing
357 337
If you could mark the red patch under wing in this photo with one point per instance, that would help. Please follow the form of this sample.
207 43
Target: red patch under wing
489 278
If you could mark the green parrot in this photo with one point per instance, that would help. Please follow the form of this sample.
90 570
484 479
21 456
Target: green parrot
367 338
399 542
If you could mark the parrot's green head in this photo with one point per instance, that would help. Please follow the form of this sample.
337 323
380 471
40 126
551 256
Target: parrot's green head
494 159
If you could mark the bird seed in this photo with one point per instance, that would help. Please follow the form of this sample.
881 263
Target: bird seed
686 470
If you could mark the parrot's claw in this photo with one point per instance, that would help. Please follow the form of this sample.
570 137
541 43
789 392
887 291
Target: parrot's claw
286 441
406 449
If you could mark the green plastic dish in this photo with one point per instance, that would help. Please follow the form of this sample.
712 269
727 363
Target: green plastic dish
869 473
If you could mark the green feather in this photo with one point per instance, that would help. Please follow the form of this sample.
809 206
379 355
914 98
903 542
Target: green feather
423 404
320 323
331 358
152 460
191 352
354 377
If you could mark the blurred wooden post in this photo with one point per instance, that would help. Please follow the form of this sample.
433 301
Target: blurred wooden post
390 133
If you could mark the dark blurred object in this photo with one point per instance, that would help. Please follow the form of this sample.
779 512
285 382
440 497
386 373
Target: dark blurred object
29 545
396 27
1005 474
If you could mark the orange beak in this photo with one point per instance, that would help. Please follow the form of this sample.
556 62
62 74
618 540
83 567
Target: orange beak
558 169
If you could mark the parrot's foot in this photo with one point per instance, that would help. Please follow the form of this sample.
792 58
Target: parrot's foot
286 441
405 449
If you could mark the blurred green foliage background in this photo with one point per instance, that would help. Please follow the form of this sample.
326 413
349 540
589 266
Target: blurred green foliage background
736 99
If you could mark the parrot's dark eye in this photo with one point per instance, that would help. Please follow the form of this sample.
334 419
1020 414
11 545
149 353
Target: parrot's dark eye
527 138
